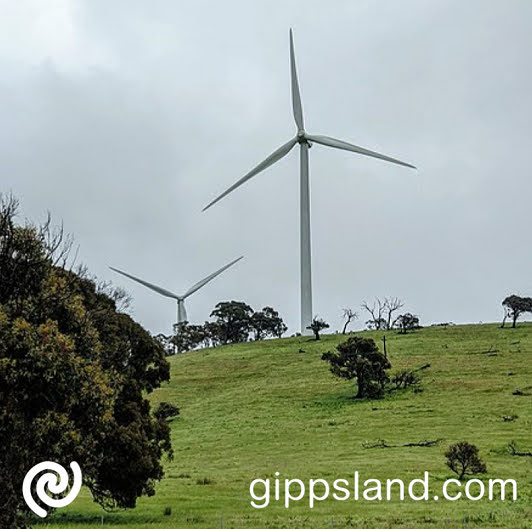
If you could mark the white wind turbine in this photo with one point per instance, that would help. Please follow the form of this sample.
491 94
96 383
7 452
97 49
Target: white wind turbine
304 139
181 311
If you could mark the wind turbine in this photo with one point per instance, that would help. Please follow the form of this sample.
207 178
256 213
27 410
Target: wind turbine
304 139
181 310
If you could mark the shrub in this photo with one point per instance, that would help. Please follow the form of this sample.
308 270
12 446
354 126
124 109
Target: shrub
360 359
463 458
404 379
166 411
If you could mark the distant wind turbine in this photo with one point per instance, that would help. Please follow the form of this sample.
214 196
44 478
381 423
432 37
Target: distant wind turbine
181 311
304 141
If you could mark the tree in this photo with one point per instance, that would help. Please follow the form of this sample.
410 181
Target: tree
233 319
407 322
74 375
381 313
187 336
360 359
376 312
267 322
317 326
463 458
166 343
391 306
212 334
515 306
349 315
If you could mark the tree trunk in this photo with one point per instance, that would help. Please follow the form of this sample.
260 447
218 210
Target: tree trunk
361 390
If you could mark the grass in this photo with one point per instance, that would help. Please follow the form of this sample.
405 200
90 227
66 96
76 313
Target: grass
253 409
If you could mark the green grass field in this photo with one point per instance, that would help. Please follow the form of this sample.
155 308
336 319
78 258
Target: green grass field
252 409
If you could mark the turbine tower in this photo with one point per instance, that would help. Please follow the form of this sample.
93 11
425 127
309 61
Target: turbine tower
305 140
181 310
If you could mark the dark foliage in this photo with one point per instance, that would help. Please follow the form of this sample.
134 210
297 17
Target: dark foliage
317 326
463 458
360 359
405 379
188 337
233 319
516 306
267 322
74 374
234 322
166 410
407 322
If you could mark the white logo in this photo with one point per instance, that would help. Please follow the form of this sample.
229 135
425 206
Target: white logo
54 486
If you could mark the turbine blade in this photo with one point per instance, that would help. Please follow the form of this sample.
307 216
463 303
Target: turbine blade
296 96
157 289
204 281
339 144
274 157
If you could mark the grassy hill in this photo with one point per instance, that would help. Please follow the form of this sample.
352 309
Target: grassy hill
252 409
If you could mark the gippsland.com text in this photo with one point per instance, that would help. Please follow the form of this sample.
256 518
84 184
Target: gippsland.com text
288 491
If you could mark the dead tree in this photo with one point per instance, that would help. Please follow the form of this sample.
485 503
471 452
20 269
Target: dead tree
381 312
349 315
376 312
391 305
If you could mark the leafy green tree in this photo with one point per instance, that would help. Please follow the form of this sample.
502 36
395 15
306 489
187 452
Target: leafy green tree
360 359
74 375
188 337
462 458
267 322
407 322
212 334
317 326
516 306
233 320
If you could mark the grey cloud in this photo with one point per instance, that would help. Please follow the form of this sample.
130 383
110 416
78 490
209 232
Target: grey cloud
131 117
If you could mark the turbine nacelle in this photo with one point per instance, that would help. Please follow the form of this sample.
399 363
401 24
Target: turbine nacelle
181 310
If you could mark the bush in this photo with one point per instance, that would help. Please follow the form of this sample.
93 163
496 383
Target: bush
405 379
463 458
360 359
166 411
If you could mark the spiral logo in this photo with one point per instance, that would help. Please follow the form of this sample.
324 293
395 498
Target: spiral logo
55 486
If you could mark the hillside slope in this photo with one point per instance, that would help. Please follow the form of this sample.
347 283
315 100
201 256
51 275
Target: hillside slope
252 409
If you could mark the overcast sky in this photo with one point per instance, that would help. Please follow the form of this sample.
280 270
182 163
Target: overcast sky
125 118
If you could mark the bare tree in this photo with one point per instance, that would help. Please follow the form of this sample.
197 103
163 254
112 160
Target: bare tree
376 312
381 312
349 315
391 305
